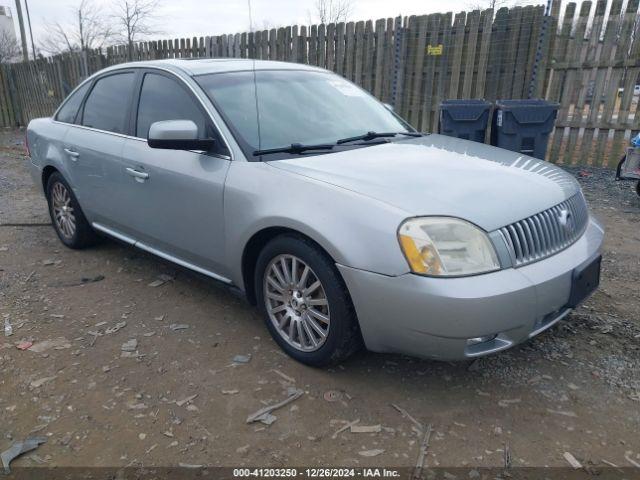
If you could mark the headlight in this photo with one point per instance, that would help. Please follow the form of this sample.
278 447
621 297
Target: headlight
444 246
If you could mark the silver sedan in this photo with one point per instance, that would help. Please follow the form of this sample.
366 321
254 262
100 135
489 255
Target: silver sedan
344 225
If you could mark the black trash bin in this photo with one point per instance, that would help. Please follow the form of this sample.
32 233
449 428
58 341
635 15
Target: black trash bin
523 125
465 119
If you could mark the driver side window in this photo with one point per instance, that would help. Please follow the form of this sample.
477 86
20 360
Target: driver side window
162 98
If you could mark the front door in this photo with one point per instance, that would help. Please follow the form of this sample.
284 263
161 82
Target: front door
175 197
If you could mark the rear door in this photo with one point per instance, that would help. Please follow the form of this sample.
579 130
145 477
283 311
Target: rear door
95 145
178 208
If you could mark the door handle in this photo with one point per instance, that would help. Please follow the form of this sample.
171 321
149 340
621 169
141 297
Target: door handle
137 174
73 154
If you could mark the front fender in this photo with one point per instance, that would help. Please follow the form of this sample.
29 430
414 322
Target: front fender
357 231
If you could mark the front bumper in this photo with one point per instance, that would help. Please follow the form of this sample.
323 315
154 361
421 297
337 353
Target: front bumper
435 317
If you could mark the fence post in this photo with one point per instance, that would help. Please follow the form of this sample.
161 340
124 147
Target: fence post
541 42
398 64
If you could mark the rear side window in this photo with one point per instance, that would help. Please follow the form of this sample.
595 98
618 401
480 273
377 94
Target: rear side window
69 110
164 99
108 103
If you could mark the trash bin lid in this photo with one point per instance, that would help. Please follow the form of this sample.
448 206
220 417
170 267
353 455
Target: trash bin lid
529 110
465 110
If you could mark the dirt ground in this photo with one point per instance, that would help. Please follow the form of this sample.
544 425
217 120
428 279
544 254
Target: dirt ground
179 398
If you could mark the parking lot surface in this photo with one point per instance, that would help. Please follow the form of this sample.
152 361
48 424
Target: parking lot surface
135 362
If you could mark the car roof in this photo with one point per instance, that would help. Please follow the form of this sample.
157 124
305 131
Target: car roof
200 66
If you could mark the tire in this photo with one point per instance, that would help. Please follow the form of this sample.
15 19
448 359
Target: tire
331 299
73 229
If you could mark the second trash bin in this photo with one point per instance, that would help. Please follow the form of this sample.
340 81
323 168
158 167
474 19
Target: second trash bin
523 125
465 119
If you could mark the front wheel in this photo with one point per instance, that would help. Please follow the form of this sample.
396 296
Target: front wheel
305 303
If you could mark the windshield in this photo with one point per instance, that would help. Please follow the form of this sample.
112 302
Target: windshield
295 107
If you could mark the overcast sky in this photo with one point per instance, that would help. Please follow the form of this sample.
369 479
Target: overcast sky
181 18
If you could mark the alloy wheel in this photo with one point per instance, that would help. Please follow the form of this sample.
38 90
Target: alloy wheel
63 212
296 303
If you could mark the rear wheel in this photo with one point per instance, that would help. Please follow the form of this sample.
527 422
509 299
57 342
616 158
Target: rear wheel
69 222
305 303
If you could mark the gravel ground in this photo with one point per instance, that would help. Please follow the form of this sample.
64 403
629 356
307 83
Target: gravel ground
178 397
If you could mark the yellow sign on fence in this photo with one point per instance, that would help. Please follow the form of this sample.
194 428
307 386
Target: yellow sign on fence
434 49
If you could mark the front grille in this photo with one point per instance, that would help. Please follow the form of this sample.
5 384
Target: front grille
547 232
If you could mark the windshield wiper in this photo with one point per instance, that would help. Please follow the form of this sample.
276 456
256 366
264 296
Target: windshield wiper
373 135
294 148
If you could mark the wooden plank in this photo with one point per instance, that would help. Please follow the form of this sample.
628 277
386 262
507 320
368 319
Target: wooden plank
442 64
557 77
243 45
369 57
387 62
264 45
273 34
521 63
5 120
340 48
281 44
410 35
237 46
349 51
287 44
473 26
568 94
458 34
379 53
304 39
295 44
429 99
400 49
531 62
359 53
486 20
597 77
497 50
331 47
419 53
321 47
513 47
579 51
313 45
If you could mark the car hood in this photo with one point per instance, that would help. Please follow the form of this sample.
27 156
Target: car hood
439 175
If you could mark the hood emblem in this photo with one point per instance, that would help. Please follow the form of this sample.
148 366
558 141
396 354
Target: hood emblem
565 220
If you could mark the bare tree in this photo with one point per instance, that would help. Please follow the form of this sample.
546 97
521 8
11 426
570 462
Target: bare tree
331 11
9 48
89 29
495 5
136 19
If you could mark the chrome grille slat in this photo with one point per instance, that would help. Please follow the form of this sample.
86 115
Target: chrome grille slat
543 234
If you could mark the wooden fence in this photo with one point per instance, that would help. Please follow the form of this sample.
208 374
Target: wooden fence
588 61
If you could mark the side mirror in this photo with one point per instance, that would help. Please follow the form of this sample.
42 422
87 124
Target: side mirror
177 135
388 106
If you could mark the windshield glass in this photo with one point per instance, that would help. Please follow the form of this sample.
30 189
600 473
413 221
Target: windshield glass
286 107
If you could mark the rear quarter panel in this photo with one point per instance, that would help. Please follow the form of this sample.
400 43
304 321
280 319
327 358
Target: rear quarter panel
46 145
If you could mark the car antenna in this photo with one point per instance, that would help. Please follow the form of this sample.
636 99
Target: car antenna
255 82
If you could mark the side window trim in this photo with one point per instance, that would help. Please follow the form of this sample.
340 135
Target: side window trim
180 83
127 116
